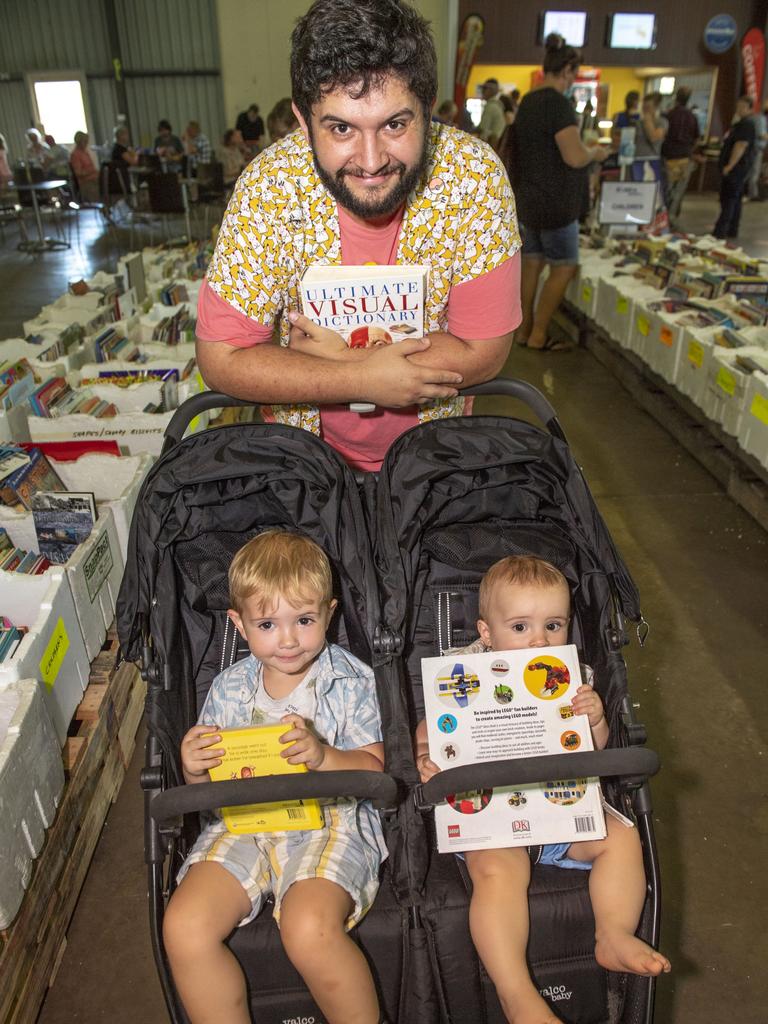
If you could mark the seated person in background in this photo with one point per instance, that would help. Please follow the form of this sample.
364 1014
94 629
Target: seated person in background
525 603
59 158
168 146
122 151
38 151
251 126
196 145
447 112
234 155
323 881
84 169
281 120
6 174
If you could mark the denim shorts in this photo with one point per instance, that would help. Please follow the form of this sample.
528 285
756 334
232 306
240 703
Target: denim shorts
556 856
558 246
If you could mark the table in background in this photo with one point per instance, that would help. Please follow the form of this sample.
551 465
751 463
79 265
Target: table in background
42 244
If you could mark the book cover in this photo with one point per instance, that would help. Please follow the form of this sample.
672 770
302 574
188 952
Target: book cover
37 475
368 305
63 521
253 752
510 704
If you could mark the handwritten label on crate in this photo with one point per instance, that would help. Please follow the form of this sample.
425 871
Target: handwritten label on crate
726 381
666 337
643 326
695 353
97 566
54 654
622 305
759 408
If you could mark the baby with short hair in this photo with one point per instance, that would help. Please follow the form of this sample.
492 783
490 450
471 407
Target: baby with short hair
525 602
323 881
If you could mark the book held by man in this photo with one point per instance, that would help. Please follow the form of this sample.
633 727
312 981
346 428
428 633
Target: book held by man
510 704
252 752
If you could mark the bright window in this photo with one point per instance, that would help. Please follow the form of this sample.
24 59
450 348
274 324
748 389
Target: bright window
60 107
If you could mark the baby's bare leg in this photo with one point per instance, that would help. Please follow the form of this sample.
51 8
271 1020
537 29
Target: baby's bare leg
312 917
617 890
202 912
498 920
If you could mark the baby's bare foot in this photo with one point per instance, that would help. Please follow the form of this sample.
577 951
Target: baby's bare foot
620 951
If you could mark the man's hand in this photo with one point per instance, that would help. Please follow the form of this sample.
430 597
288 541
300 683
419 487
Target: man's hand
198 753
305 747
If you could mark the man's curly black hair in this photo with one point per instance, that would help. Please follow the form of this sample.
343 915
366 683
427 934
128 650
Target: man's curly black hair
357 44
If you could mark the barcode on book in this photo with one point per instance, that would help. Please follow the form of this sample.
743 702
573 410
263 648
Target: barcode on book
584 823
294 813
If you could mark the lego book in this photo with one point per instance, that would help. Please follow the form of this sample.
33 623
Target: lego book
253 752
510 704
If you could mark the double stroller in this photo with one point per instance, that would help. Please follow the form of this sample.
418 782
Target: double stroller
408 547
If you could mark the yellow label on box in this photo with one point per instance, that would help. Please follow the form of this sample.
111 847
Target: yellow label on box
586 293
726 381
759 408
622 305
58 645
666 337
695 353
643 326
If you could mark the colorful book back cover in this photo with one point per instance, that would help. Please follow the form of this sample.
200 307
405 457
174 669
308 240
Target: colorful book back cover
253 752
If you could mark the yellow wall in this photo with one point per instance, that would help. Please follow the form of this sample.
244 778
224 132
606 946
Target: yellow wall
254 36
518 76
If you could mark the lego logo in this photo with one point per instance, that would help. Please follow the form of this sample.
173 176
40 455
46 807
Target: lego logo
454 831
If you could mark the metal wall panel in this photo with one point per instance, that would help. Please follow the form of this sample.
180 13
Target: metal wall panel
47 35
178 100
168 35
15 118
102 100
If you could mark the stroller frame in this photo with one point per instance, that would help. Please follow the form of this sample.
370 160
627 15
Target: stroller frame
163 806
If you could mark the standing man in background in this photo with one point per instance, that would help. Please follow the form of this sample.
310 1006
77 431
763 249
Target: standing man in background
493 121
677 151
367 178
735 163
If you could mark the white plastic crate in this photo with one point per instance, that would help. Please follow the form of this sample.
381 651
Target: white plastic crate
94 572
753 430
53 651
31 782
115 483
657 338
725 392
696 344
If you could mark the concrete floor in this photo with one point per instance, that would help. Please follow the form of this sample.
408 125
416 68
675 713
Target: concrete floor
701 565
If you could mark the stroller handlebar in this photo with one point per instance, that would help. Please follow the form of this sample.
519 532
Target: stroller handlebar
378 787
506 386
631 762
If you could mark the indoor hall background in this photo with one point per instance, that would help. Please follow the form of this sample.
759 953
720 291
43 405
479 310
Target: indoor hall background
168 56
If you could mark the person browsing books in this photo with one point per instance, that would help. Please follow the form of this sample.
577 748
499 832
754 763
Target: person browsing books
323 881
367 178
524 602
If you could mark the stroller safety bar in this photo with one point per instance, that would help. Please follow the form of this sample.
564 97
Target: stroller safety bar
631 762
378 787
518 389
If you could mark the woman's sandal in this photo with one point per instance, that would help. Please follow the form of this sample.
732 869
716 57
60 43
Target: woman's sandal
552 345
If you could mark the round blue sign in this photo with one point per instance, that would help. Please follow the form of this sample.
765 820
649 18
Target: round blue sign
720 33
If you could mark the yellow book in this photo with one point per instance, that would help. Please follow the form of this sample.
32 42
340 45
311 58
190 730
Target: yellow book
254 752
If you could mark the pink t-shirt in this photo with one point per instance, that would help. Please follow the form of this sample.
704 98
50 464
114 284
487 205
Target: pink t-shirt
486 307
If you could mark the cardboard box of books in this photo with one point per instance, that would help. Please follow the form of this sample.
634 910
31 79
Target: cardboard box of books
94 561
189 381
48 355
31 782
136 433
616 300
725 392
696 352
114 482
89 318
658 337
510 704
753 429
255 752
169 325
52 649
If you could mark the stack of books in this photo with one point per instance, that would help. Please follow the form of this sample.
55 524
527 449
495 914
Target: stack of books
173 329
69 338
111 345
13 559
17 383
173 294
24 472
56 398
63 521
10 638
169 384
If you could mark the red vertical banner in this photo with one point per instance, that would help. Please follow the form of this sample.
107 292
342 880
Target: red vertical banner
469 42
753 65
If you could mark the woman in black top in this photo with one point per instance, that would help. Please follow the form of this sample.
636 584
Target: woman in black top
547 163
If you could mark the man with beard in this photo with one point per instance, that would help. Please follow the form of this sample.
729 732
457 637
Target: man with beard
367 178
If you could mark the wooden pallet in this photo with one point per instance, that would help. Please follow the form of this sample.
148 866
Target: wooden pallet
95 761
